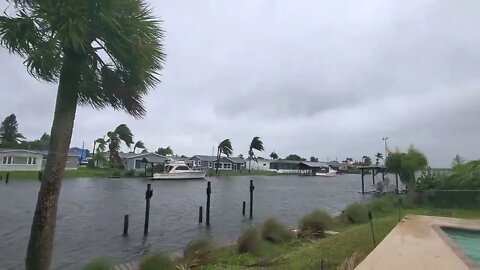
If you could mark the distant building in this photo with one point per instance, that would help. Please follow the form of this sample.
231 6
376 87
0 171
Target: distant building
260 164
225 163
141 162
81 153
285 166
26 160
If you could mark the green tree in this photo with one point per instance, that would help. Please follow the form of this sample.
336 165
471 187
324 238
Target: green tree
9 135
115 138
139 145
294 157
406 165
225 147
101 53
378 157
274 155
313 159
256 144
165 151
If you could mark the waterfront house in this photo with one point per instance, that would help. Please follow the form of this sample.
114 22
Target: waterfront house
27 160
141 162
225 163
20 160
260 164
285 166
337 166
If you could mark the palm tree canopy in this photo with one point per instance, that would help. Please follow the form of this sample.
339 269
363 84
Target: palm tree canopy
139 145
225 147
117 43
123 133
256 144
102 144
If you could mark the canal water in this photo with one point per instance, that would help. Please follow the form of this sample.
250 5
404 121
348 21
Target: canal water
90 216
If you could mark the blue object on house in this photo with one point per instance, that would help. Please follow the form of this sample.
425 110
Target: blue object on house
81 153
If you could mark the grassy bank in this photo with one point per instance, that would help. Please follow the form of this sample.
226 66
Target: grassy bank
306 254
79 173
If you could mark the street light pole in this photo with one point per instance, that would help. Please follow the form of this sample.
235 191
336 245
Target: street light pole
385 142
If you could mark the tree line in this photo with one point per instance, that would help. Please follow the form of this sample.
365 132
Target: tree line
11 137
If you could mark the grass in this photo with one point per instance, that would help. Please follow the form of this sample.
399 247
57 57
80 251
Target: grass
82 172
334 250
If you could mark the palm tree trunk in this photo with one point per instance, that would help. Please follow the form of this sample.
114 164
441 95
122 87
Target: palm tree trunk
40 246
249 164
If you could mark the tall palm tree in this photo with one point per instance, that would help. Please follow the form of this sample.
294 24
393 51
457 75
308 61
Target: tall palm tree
256 144
101 53
378 157
139 145
115 138
225 147
98 149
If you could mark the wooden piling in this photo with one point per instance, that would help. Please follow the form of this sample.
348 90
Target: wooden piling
125 225
373 177
207 214
396 182
243 207
252 188
363 181
200 214
148 196
7 177
370 216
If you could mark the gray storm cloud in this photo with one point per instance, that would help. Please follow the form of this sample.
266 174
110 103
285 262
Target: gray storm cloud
320 78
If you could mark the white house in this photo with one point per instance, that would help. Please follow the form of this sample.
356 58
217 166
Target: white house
141 162
20 160
260 164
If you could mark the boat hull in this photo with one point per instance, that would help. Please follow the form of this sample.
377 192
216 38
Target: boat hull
179 176
329 174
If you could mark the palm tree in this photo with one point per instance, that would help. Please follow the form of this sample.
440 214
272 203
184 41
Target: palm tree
115 138
274 155
102 145
165 151
256 144
225 147
367 161
101 53
378 157
139 145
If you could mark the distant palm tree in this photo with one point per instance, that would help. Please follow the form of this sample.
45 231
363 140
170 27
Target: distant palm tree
378 156
225 147
367 161
165 151
98 150
139 145
256 144
115 138
274 155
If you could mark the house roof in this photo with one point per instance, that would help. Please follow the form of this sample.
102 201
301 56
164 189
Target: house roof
9 150
236 159
137 155
205 158
314 164
286 161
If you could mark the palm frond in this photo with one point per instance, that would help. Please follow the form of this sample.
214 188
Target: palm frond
139 145
225 147
123 132
256 144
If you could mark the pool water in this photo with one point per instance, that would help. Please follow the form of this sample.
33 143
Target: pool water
467 240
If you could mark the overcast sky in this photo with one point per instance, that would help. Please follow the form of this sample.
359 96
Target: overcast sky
317 78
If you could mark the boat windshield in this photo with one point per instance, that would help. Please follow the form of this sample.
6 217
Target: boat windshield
182 168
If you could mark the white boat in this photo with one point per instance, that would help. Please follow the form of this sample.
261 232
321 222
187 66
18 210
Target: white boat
328 172
178 171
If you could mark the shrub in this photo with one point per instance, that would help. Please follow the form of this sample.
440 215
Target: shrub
130 173
157 262
355 213
250 241
198 252
351 262
98 264
275 232
315 223
116 173
383 204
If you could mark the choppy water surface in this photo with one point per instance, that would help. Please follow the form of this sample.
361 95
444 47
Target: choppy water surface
90 216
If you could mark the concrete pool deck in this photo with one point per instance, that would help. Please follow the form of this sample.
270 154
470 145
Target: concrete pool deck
418 242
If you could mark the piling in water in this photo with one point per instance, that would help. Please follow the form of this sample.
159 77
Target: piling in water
252 188
148 196
200 214
125 225
209 191
243 207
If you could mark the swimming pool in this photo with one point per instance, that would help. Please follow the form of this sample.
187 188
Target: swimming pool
467 240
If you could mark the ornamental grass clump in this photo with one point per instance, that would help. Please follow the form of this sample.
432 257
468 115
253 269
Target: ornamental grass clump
250 241
314 224
99 264
275 232
355 213
198 252
158 261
